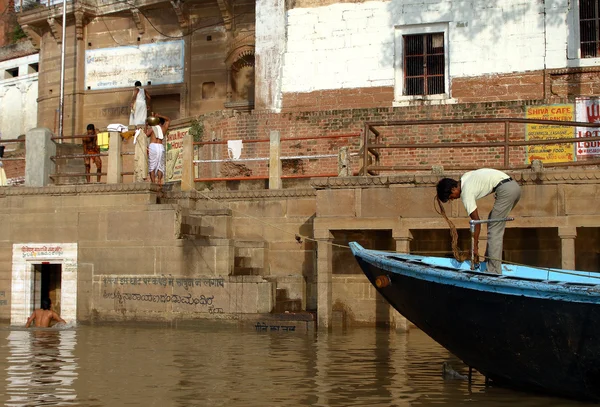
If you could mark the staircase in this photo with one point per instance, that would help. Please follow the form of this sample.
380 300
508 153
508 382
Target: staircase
70 165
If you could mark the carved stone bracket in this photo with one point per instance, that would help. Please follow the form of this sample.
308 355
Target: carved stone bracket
33 35
226 13
79 24
55 29
135 13
177 6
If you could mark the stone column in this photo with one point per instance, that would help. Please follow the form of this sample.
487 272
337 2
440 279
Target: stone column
567 236
403 239
115 163
274 161
187 162
270 47
38 150
324 277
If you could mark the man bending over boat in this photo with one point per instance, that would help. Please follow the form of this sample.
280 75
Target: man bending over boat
475 185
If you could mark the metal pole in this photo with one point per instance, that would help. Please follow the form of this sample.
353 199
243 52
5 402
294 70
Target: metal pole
472 224
61 103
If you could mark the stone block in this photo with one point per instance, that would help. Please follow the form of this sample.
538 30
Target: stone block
301 207
582 199
336 203
93 226
149 224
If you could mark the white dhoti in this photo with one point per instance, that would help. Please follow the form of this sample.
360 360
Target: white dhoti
156 159
140 109
3 181
140 157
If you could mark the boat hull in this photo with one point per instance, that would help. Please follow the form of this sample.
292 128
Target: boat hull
541 344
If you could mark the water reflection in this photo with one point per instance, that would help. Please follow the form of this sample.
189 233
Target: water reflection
224 366
41 368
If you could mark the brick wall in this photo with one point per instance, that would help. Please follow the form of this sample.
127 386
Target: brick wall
321 123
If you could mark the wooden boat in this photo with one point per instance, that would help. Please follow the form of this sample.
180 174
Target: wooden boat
536 329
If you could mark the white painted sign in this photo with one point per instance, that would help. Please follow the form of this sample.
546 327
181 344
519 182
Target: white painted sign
587 110
159 63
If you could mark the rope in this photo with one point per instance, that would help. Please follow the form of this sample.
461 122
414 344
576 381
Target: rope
458 254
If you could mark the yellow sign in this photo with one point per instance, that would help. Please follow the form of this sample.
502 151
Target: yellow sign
174 153
550 153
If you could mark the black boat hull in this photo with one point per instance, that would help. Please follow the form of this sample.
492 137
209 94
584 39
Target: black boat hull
540 344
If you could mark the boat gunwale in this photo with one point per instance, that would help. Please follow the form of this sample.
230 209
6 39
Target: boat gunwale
482 281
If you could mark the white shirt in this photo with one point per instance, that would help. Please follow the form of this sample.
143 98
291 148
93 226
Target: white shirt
476 184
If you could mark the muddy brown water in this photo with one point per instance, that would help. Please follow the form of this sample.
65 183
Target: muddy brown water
216 365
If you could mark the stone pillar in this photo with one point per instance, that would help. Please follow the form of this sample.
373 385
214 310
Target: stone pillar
187 163
403 239
38 165
567 236
324 277
270 47
274 161
115 163
344 162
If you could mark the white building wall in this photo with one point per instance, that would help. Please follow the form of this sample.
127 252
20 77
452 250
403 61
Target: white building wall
18 96
351 45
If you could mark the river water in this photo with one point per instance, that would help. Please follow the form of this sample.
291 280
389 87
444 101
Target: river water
217 365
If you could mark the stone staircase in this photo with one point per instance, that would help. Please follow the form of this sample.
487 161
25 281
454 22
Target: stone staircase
213 228
285 304
70 165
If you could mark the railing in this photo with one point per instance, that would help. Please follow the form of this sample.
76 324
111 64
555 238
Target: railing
495 134
318 158
26 5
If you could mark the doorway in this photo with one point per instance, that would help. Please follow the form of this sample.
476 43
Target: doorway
53 264
47 284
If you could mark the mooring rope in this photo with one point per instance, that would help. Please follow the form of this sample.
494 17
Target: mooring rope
459 255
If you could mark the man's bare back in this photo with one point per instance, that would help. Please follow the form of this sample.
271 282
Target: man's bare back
43 316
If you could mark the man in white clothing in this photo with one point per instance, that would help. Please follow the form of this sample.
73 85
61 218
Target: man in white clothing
156 149
475 185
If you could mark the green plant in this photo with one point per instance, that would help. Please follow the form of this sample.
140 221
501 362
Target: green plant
197 130
17 33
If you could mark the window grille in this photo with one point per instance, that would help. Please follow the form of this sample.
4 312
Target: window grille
589 28
424 67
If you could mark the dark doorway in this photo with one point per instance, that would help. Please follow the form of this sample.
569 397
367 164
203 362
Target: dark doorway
48 284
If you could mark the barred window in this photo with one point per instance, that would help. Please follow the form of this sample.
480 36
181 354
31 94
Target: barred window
589 28
424 61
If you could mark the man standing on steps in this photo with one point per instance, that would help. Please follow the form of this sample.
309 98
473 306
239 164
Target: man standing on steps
91 149
156 149
475 185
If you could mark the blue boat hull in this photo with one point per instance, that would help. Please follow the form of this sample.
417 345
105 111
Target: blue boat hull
548 341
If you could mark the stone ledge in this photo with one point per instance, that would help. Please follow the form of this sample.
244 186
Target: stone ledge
524 177
265 193
81 189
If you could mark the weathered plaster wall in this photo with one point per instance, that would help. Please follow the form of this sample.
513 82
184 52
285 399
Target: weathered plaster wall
351 45
270 48
18 105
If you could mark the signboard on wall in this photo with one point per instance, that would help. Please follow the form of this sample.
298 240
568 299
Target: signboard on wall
119 67
550 153
587 110
174 153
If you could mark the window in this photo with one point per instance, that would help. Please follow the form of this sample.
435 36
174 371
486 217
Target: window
424 64
421 64
584 33
11 73
589 26
33 68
